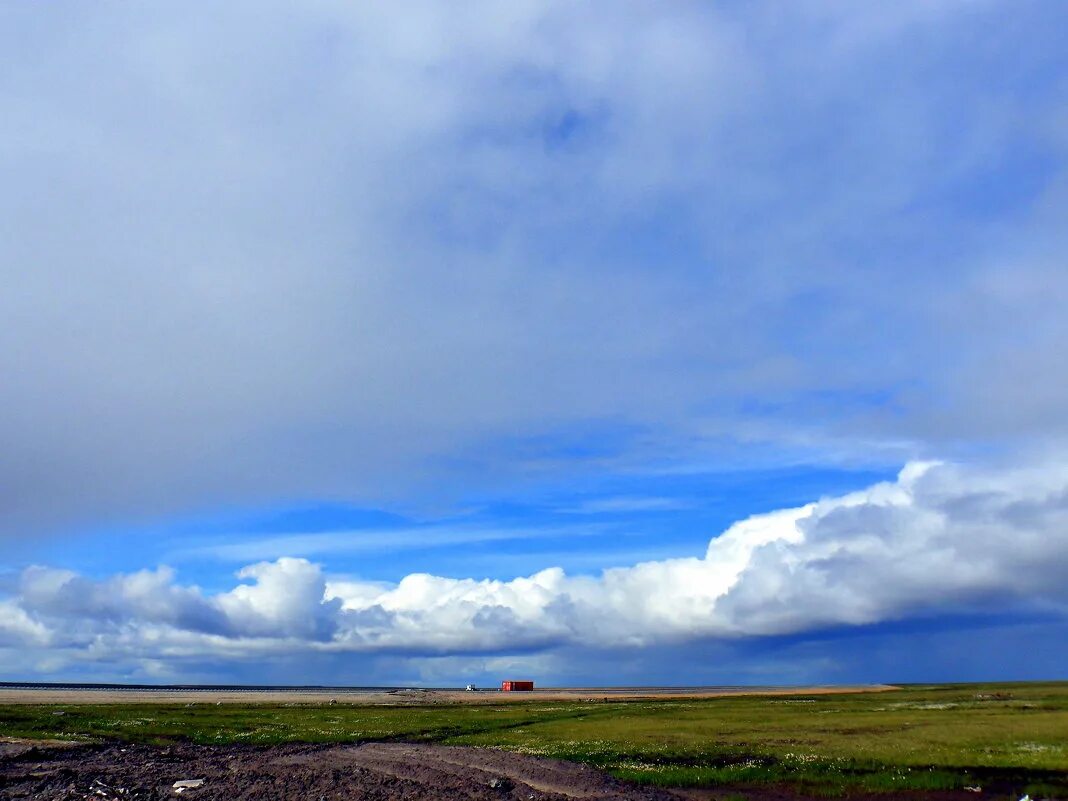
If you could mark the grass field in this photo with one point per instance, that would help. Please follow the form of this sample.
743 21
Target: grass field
936 737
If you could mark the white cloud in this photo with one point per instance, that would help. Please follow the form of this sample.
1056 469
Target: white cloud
284 600
18 628
147 596
372 540
941 537
627 503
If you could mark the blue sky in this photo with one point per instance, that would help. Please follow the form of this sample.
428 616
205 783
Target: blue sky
612 520
715 343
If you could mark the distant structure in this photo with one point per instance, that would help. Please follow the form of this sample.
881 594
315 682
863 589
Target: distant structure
516 686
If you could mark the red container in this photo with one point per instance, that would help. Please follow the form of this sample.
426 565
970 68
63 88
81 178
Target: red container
516 686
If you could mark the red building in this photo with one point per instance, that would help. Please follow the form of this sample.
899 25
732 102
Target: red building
516 686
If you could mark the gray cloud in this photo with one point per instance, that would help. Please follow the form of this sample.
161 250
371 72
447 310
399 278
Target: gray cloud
260 252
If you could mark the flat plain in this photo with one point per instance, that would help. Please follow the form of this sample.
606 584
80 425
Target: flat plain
997 741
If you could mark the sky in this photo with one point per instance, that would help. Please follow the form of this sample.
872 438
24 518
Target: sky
604 343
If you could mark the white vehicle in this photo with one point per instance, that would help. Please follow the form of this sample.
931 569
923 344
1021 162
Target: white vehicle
470 688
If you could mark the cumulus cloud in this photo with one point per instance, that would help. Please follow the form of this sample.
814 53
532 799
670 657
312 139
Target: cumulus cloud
18 628
284 600
147 596
940 537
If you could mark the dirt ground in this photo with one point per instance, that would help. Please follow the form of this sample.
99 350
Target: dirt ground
316 773
408 697
373 771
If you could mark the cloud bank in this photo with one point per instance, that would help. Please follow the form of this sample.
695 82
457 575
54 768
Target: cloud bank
940 538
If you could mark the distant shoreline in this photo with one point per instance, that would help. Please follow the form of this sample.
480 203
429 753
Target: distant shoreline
91 693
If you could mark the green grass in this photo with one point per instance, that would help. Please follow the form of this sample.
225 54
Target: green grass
1012 737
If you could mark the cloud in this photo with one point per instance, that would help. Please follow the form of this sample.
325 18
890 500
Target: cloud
942 538
253 254
284 600
17 628
147 596
374 540
628 503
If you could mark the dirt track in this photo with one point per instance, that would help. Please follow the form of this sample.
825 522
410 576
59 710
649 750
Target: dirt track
235 773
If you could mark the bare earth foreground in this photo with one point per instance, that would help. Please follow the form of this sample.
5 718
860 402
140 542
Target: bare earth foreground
370 771
373 771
